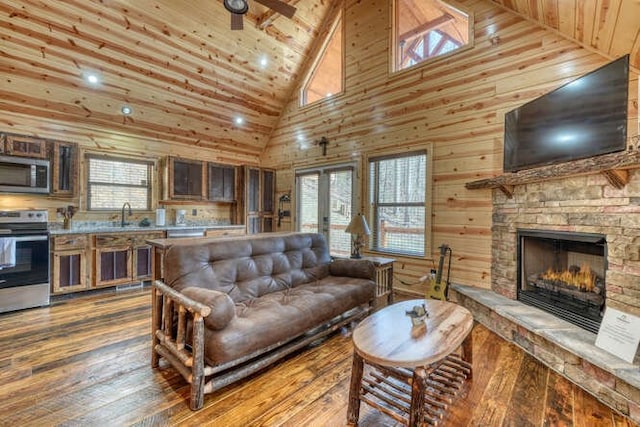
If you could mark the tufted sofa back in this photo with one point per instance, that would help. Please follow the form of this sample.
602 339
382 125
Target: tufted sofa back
250 266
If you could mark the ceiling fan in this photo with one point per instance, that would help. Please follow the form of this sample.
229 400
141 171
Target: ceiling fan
240 7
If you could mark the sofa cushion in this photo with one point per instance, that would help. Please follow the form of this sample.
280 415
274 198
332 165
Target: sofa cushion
222 307
273 319
248 268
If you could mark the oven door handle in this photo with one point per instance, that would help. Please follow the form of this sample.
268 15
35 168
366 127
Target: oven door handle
31 238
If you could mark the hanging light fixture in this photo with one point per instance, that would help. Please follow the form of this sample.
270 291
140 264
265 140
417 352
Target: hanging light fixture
239 7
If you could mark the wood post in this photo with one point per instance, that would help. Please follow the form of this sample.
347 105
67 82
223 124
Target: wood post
466 353
156 324
353 412
418 387
196 400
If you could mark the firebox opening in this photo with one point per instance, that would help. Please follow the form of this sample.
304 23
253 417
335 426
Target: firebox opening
564 274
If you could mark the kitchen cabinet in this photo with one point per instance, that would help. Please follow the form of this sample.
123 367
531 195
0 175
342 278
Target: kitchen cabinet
25 146
259 199
187 179
64 160
222 182
112 260
143 263
69 263
123 258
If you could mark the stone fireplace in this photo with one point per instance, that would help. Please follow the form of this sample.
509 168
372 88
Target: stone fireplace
584 205
563 274
566 219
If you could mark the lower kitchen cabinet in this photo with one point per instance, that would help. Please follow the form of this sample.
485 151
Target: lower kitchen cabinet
143 262
122 258
69 263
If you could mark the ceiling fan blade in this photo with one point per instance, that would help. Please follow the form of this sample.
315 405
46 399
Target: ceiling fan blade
236 21
279 6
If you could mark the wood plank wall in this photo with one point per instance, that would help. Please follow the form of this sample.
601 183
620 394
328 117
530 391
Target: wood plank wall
456 103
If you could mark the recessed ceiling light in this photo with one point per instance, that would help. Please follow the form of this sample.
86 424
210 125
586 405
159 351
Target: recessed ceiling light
239 120
264 61
126 110
93 79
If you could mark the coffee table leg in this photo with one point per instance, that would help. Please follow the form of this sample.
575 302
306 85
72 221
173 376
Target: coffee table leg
353 412
467 352
418 386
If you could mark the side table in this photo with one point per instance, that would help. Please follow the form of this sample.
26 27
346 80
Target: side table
384 277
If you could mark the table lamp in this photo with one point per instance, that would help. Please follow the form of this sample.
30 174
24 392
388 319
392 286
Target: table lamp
358 228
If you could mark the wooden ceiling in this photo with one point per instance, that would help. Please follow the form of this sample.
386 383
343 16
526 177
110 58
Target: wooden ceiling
187 76
612 27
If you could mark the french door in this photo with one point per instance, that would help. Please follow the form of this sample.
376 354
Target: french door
325 199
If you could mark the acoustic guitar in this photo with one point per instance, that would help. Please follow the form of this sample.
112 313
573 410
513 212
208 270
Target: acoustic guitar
436 288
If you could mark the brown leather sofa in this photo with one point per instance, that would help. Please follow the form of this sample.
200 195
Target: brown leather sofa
230 307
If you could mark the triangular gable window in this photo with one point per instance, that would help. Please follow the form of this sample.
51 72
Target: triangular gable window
327 75
426 29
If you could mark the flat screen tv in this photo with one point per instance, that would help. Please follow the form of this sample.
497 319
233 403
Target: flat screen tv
584 118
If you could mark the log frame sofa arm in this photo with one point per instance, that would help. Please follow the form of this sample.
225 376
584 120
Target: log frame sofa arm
169 339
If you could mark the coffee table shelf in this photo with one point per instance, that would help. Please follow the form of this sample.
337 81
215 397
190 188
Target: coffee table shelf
389 389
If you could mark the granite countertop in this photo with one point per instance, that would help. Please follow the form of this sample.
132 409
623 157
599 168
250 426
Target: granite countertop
137 228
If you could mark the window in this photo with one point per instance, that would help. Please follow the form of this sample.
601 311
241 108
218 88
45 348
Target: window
327 75
398 199
425 29
114 181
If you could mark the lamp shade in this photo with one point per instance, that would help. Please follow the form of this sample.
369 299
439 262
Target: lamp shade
358 225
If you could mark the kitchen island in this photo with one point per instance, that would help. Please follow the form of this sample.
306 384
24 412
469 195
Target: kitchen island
160 246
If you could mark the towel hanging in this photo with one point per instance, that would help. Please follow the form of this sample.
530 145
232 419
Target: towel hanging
7 252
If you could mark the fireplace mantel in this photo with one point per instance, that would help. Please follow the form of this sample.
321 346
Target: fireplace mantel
613 166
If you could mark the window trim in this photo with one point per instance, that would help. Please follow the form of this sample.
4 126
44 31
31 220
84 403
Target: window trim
393 44
426 149
150 163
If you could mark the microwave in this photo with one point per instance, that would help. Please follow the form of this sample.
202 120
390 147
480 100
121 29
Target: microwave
24 175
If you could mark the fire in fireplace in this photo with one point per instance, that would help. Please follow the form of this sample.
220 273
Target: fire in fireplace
564 274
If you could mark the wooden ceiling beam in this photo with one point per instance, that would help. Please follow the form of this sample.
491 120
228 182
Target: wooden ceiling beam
426 27
267 18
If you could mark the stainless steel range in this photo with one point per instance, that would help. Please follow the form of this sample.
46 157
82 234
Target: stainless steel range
24 259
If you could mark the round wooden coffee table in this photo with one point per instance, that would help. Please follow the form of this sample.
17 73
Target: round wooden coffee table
411 373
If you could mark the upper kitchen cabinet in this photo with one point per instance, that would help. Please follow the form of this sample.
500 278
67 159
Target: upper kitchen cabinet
260 187
222 183
64 160
201 181
25 146
187 179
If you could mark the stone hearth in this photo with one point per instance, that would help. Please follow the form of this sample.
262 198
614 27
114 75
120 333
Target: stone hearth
560 345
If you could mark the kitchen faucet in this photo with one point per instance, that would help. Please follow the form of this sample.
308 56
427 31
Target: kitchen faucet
122 223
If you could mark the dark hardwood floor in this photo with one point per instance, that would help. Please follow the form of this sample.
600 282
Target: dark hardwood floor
85 361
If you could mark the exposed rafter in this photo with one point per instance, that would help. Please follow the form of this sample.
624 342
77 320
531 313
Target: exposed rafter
427 27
